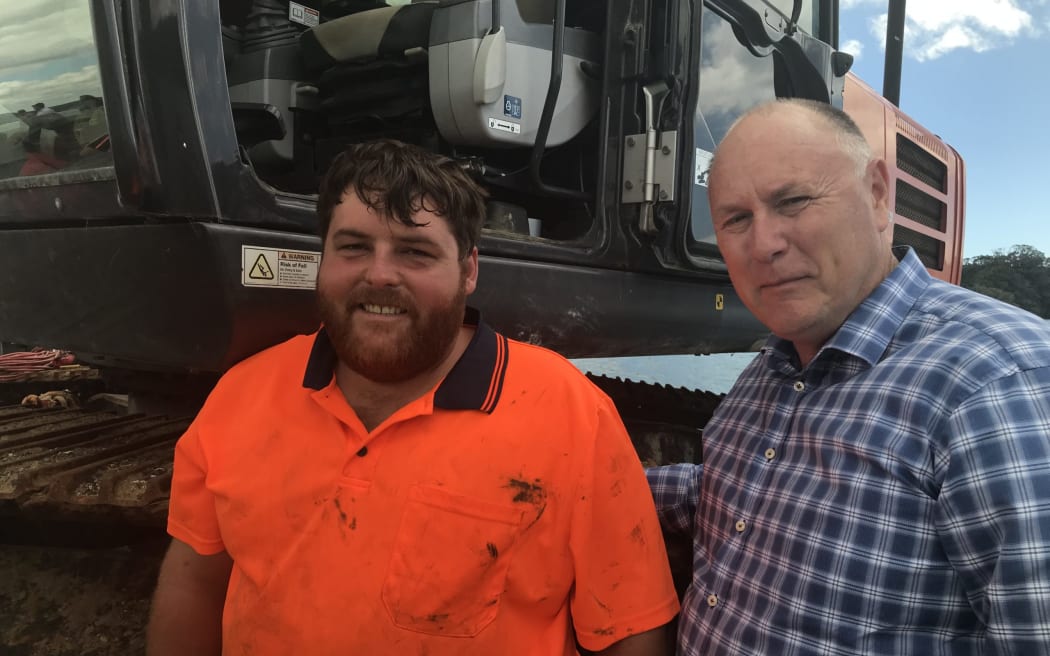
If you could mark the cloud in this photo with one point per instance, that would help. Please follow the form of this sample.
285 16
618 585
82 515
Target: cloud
63 88
845 5
724 64
47 53
956 37
1002 17
33 35
853 47
934 28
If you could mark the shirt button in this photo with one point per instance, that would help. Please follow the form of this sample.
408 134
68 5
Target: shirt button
799 386
740 526
770 454
712 600
362 452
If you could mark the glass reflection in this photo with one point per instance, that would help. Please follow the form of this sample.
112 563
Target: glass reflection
52 116
732 80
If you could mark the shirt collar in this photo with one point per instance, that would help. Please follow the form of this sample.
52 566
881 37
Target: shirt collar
868 330
475 382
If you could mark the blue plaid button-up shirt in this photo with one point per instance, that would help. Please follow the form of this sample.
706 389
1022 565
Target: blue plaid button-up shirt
892 497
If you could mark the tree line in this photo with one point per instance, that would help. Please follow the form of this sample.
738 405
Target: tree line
1020 276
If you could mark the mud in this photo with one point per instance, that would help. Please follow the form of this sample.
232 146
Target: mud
57 601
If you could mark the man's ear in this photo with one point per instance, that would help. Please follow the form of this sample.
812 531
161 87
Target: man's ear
878 179
470 271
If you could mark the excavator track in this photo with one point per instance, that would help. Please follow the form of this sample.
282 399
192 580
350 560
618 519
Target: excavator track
103 467
63 465
83 497
665 423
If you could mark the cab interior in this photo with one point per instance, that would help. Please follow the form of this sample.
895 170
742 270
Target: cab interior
470 79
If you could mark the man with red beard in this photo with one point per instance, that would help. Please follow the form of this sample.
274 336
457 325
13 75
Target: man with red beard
406 480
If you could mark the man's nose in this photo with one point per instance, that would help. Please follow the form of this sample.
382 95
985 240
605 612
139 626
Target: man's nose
382 269
768 238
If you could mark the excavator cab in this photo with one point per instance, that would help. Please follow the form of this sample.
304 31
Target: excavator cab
158 173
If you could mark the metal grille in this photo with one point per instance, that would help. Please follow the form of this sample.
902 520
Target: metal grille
919 206
914 160
929 250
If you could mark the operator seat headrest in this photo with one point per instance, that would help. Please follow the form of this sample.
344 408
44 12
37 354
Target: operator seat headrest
483 88
388 31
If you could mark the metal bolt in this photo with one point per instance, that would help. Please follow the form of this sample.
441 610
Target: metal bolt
666 150
663 195
630 142
628 185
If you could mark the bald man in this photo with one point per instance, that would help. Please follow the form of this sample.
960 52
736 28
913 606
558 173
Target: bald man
878 479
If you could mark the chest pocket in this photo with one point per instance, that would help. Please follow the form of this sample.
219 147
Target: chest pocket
449 564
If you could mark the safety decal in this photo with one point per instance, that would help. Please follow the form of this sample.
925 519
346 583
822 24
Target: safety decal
297 13
512 106
506 126
703 166
261 269
279 268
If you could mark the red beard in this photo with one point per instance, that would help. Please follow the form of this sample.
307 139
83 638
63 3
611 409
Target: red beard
400 354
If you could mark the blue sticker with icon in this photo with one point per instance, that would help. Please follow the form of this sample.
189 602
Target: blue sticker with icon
512 106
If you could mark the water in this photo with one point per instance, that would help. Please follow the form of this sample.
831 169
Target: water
714 373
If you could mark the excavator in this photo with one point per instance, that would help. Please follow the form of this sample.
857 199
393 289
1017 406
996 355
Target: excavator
159 162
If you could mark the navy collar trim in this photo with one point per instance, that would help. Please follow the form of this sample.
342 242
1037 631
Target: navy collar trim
475 382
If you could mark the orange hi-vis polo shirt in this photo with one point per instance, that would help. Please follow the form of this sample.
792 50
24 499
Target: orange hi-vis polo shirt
493 515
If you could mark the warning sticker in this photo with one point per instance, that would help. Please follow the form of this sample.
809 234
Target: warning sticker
512 106
297 13
284 269
703 166
506 126
261 270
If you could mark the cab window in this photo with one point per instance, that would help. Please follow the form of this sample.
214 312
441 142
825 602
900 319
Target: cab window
52 116
732 80
807 20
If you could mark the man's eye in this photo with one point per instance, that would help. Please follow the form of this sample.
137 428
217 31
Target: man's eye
350 248
735 221
795 203
415 252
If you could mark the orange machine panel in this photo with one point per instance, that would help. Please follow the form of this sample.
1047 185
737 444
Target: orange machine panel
927 175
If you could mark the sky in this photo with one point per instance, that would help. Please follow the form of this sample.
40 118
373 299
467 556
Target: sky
977 74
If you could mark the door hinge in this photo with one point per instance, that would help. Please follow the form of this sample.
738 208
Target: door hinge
650 163
649 160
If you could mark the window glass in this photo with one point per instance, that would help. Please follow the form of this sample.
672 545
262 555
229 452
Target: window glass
52 116
807 20
732 80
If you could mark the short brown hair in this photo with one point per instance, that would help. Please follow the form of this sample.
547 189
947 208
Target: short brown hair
397 180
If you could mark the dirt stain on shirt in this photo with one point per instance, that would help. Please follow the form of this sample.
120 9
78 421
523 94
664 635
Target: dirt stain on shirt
342 513
532 493
637 535
527 492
